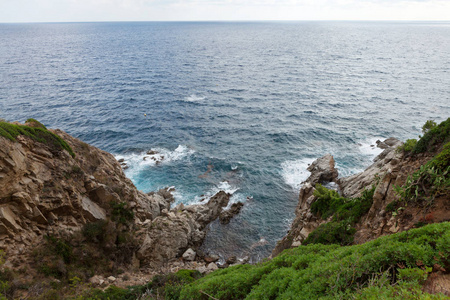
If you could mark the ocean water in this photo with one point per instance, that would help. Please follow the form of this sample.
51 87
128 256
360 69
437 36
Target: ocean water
241 107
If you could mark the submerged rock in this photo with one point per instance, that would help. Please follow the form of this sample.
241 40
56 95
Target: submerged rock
227 215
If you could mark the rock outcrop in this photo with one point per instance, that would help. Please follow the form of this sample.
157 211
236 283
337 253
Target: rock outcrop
322 171
227 215
44 191
169 235
389 169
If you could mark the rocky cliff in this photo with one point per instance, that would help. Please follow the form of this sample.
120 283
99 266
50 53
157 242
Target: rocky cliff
75 203
390 169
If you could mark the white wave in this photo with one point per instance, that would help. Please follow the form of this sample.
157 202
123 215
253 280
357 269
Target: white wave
194 98
294 172
136 162
369 147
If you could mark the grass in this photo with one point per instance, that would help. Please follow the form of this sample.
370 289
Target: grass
37 133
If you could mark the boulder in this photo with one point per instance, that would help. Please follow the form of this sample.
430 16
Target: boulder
212 258
189 255
322 170
211 267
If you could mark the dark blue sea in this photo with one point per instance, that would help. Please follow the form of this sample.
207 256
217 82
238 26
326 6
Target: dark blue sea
252 102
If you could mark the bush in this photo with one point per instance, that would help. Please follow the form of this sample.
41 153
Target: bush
328 201
433 137
121 213
333 272
408 146
430 124
429 181
94 232
331 233
35 123
346 212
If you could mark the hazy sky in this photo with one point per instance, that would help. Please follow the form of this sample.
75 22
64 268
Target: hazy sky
189 10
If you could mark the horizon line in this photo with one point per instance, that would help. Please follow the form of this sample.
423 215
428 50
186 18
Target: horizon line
215 21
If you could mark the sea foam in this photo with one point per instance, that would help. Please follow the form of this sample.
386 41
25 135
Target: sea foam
294 172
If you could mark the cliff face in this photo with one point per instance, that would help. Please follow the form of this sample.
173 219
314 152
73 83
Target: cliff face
87 199
390 169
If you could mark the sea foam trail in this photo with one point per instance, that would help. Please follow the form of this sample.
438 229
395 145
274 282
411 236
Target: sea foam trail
294 172
194 98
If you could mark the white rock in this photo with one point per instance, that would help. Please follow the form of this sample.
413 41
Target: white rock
111 278
211 267
189 255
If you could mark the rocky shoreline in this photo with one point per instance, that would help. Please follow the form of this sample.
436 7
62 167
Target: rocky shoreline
51 200
47 192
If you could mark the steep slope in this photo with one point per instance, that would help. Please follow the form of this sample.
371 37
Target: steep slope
67 209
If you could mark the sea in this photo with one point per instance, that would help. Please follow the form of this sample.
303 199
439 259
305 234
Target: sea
242 107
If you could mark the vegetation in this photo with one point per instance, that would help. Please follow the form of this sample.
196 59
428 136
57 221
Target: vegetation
390 266
429 181
432 179
121 213
37 132
162 286
434 135
408 146
346 213
35 123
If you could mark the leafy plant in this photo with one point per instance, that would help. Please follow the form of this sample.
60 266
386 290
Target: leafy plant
429 181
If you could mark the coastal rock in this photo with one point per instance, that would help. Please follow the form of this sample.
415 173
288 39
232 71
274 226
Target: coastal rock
211 267
211 258
389 169
385 162
169 235
322 170
48 192
189 254
227 215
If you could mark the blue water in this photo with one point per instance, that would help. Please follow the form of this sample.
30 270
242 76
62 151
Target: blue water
255 101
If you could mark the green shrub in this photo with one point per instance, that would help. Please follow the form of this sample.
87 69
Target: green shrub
328 201
38 134
429 181
433 137
331 233
94 232
319 271
60 248
408 146
121 213
442 160
346 212
430 124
